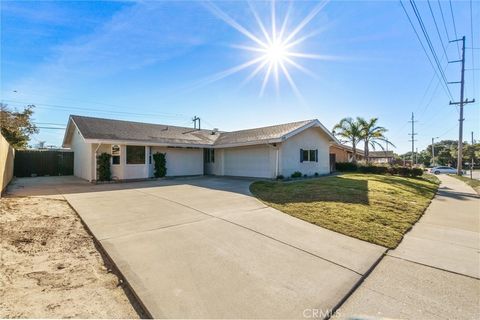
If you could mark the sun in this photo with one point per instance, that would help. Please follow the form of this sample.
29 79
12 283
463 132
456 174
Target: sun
275 50
276 53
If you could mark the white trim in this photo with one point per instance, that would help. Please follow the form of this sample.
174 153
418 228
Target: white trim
75 128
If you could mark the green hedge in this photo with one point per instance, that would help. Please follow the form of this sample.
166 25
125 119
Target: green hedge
160 164
103 167
393 170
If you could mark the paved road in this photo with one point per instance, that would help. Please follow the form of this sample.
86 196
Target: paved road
434 272
204 248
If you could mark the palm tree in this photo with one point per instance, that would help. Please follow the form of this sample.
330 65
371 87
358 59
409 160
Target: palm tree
350 131
372 135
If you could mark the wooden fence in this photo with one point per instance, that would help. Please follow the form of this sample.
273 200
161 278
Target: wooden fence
31 163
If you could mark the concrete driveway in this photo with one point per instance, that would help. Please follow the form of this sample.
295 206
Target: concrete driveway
204 248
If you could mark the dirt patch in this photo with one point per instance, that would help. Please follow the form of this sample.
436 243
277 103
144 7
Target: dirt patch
50 267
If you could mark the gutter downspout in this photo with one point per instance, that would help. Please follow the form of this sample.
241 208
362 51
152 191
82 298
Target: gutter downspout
95 167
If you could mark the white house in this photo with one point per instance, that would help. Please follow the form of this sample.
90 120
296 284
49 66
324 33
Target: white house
261 152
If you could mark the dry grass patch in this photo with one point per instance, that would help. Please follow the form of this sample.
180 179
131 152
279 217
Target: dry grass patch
374 208
50 267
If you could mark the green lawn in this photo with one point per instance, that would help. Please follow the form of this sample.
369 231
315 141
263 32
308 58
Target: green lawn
374 208
475 184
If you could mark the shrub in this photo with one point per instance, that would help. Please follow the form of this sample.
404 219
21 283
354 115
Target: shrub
346 166
280 177
373 169
160 165
296 174
393 170
417 172
316 174
305 175
404 171
103 167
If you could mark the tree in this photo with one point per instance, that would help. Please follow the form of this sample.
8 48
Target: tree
349 130
372 134
17 126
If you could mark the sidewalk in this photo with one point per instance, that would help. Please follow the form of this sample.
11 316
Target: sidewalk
434 273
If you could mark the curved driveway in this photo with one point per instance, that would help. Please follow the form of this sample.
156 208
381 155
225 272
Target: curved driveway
204 248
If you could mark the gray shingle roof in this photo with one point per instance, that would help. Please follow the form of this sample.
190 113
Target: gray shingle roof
108 129
259 134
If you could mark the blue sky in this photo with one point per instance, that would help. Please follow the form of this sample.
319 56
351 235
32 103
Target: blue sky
155 61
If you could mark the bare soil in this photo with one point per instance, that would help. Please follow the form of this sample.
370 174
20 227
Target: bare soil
51 268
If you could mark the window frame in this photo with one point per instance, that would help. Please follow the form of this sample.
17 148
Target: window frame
308 155
135 164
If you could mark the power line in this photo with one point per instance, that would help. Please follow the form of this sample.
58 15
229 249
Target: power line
473 46
64 107
430 45
424 49
454 26
443 19
436 27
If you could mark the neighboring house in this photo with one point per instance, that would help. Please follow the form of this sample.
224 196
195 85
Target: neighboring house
381 156
262 152
344 153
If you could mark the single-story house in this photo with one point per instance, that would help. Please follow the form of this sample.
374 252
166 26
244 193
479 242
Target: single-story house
381 156
344 153
265 152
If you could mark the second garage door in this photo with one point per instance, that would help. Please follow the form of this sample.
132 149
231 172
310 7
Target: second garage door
248 162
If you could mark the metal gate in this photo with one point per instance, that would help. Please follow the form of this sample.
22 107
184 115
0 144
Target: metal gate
31 163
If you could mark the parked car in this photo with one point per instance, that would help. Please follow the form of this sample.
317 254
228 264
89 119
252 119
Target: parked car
447 170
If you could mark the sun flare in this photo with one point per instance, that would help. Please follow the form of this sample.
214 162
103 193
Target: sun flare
275 51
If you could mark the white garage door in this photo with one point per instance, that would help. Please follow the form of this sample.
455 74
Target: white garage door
248 162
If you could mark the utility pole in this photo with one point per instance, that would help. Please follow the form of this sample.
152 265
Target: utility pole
461 103
413 134
416 157
195 119
433 151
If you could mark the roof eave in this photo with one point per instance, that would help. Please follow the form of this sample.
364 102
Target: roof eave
248 143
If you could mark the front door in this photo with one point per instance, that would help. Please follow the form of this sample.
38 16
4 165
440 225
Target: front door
332 162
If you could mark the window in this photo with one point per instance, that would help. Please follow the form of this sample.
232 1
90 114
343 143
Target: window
115 154
309 155
209 155
135 155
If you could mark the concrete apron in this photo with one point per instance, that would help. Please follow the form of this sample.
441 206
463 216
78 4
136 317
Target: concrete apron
205 249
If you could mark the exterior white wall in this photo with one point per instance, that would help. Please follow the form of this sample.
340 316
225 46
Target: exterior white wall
182 161
124 171
310 139
82 156
252 161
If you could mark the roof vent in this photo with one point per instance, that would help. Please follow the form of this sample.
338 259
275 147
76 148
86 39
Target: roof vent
214 131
